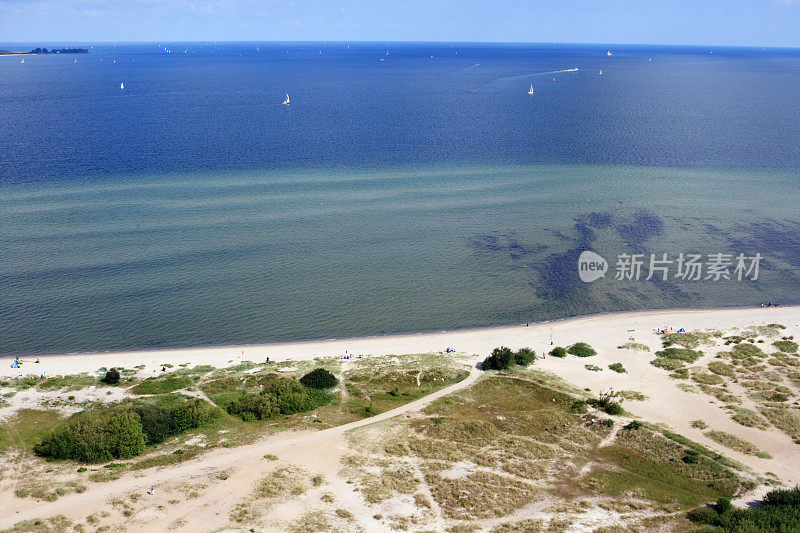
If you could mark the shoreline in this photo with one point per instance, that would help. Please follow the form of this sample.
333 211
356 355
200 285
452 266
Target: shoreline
475 341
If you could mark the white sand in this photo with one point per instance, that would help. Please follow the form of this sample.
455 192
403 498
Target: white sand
319 452
593 329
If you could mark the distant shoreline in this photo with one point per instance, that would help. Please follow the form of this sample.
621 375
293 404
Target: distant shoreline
45 51
473 341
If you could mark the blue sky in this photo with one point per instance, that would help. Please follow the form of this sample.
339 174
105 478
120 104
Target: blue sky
717 22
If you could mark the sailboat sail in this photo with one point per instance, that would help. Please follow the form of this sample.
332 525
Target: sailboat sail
286 102
531 89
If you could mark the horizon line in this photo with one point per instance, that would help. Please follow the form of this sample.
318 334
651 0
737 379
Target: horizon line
297 41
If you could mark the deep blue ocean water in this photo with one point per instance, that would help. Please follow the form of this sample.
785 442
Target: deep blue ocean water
418 190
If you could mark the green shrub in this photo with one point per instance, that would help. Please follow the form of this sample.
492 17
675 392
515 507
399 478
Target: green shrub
635 424
503 358
617 367
162 422
605 401
319 378
279 396
95 437
559 351
780 511
112 377
703 515
122 431
524 356
581 349
579 406
723 505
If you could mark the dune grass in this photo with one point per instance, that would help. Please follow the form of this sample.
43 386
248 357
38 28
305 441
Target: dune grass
735 443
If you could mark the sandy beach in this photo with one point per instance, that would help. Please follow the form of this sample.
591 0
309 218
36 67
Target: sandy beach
665 404
594 329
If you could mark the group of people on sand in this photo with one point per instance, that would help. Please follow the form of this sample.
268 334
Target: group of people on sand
350 356
667 331
19 362
768 304
449 350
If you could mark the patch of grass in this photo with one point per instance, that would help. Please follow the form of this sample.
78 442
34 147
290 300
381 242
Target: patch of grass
478 495
675 358
652 466
581 349
311 521
593 368
735 443
632 395
636 346
705 378
617 367
723 369
162 385
783 419
699 424
69 383
58 523
687 340
748 418
786 346
283 481
26 428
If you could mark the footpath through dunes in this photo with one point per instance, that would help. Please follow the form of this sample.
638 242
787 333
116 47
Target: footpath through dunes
317 450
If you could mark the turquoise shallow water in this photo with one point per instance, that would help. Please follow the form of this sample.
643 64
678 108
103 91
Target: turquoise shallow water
425 191
253 257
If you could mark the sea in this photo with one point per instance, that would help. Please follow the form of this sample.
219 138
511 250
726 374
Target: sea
406 187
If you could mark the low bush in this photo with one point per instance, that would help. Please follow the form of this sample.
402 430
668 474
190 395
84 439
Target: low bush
279 396
503 358
581 349
617 367
319 378
559 351
94 438
122 431
780 511
606 403
579 406
112 377
524 356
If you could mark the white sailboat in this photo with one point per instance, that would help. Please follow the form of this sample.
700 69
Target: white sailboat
600 73
74 61
286 102
609 53
122 86
531 89
21 61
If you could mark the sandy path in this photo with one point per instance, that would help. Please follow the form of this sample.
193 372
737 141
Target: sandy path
319 450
